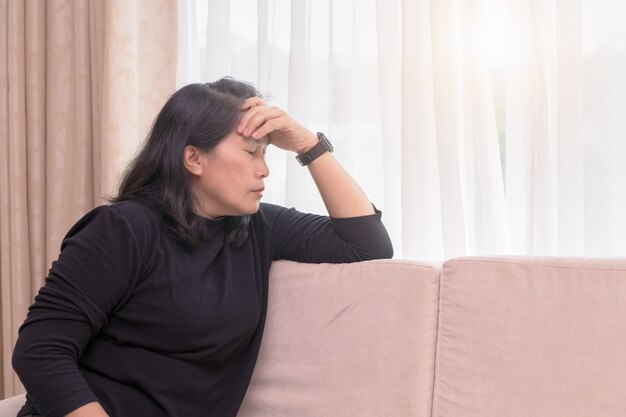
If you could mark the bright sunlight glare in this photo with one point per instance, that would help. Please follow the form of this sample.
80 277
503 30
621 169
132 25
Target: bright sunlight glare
494 31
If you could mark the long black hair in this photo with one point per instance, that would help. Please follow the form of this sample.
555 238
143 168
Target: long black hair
200 115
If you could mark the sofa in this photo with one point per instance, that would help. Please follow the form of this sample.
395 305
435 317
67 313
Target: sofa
474 337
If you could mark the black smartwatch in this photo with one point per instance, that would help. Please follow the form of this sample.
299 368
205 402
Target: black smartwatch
315 152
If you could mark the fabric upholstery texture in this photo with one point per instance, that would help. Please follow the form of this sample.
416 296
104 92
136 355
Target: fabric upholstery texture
347 340
537 337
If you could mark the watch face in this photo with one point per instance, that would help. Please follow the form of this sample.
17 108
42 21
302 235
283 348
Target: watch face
325 142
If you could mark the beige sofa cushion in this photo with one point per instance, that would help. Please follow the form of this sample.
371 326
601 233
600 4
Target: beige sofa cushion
347 340
532 337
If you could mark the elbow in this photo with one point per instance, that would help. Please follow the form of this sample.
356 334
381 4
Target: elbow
383 248
24 359
387 253
383 251
19 361
379 249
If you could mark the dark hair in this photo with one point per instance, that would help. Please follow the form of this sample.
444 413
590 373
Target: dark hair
200 115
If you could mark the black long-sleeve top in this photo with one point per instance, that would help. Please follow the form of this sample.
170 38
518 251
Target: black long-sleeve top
137 321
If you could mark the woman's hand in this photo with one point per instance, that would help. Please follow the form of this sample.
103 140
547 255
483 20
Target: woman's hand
259 120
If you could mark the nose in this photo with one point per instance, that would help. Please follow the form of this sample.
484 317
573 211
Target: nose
263 170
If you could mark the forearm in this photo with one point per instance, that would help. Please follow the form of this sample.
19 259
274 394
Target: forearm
89 410
342 196
45 358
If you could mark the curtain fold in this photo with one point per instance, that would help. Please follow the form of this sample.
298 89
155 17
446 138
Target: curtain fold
419 178
81 82
531 142
565 152
603 126
138 75
22 113
67 139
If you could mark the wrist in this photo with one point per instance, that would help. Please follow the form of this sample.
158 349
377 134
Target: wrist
322 146
306 145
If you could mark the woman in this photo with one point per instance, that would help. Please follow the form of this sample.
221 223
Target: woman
157 302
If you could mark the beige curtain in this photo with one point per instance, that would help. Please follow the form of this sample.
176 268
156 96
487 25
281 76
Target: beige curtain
81 80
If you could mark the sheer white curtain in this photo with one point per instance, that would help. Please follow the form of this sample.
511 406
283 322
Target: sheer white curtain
565 127
399 86
437 97
604 126
404 90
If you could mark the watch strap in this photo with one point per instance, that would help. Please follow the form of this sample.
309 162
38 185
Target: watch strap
316 151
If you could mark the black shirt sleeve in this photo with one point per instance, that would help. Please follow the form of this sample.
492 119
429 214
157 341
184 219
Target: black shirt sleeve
313 238
97 268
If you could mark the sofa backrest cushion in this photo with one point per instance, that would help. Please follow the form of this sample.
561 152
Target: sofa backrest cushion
347 340
539 337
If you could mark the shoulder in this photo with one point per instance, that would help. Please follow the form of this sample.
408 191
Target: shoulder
269 213
132 218
265 219
270 210
136 212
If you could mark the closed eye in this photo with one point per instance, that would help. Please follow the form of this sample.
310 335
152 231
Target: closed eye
263 152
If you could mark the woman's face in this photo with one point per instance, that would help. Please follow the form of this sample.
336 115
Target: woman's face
229 179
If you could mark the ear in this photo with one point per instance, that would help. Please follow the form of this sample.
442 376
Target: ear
192 160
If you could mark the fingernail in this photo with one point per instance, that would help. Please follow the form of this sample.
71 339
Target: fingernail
239 128
246 132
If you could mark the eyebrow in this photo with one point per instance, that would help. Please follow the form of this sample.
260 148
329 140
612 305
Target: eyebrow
257 142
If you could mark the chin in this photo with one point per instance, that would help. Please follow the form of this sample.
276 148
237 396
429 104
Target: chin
255 209
250 210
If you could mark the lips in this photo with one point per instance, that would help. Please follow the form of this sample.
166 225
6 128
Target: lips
259 190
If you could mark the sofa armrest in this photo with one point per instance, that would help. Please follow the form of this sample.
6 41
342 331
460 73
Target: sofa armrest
10 406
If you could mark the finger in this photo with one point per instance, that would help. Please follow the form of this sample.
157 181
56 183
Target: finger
251 102
267 128
260 117
247 115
